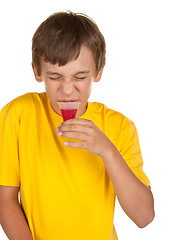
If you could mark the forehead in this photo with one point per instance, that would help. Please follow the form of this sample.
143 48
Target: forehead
85 61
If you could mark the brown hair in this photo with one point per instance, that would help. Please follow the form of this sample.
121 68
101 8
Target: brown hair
60 37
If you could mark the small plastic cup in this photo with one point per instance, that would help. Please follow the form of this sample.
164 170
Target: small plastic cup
68 109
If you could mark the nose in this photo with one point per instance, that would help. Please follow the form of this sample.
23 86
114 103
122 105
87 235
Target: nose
67 87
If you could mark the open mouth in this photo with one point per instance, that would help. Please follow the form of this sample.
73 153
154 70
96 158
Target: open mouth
68 109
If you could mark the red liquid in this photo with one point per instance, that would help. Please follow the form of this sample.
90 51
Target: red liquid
68 113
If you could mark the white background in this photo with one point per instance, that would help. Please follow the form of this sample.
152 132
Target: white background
137 81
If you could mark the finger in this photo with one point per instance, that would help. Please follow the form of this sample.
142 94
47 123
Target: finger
76 144
74 135
75 128
79 121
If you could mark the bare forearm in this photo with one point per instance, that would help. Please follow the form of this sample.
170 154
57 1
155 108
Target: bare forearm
13 222
135 198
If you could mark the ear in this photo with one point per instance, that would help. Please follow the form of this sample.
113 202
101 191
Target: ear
98 77
37 77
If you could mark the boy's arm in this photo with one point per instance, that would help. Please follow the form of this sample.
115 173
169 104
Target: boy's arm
12 218
135 197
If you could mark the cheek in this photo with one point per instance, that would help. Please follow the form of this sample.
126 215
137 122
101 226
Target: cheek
50 87
85 87
45 85
88 89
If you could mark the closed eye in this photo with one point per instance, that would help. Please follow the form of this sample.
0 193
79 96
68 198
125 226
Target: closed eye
54 78
53 75
80 78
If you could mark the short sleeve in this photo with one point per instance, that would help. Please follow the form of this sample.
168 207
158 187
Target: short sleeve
9 160
130 150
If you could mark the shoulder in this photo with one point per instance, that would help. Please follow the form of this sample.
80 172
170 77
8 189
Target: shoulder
110 115
114 123
15 106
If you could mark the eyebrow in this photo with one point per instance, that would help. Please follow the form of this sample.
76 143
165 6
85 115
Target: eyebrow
52 73
80 72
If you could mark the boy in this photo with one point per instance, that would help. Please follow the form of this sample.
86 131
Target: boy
68 172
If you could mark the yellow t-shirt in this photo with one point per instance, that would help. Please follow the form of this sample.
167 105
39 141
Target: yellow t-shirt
66 193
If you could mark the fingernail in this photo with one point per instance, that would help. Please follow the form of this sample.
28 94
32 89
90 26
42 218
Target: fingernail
59 133
66 143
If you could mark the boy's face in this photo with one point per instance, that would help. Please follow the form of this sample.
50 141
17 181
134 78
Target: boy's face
71 82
